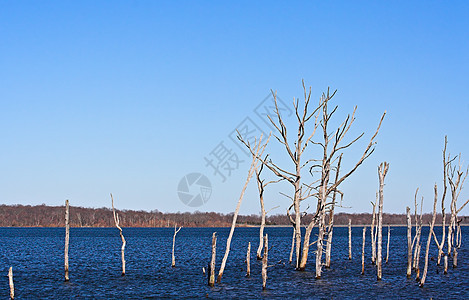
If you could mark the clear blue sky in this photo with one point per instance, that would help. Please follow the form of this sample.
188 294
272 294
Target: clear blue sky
129 96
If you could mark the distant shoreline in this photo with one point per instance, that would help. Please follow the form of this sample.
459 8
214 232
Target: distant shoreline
226 227
53 216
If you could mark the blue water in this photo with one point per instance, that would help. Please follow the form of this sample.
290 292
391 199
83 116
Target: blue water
36 255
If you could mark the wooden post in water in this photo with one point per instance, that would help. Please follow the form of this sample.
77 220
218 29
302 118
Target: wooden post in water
387 245
12 286
116 221
67 237
349 239
173 258
248 261
363 250
265 261
211 267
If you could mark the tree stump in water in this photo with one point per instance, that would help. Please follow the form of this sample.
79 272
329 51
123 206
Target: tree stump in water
248 261
12 286
211 267
67 237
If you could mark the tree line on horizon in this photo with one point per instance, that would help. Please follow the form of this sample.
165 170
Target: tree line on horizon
52 216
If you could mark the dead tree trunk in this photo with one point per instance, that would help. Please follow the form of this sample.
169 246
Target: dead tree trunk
173 258
455 257
306 245
373 236
248 261
12 286
446 264
458 244
67 237
330 231
441 244
211 266
363 250
456 179
265 261
409 243
387 245
429 239
292 247
261 229
295 151
319 246
259 149
330 228
261 185
382 171
418 235
349 239
332 146
417 263
116 221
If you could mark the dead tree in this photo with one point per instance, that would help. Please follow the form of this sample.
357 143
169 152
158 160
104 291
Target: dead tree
429 239
440 245
321 189
265 261
417 238
211 266
418 233
409 243
259 150
331 145
261 185
456 179
295 151
12 286
349 239
363 250
387 245
330 227
173 258
248 261
67 237
116 222
382 171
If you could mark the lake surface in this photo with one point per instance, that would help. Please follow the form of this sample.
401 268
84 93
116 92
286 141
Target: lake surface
36 255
